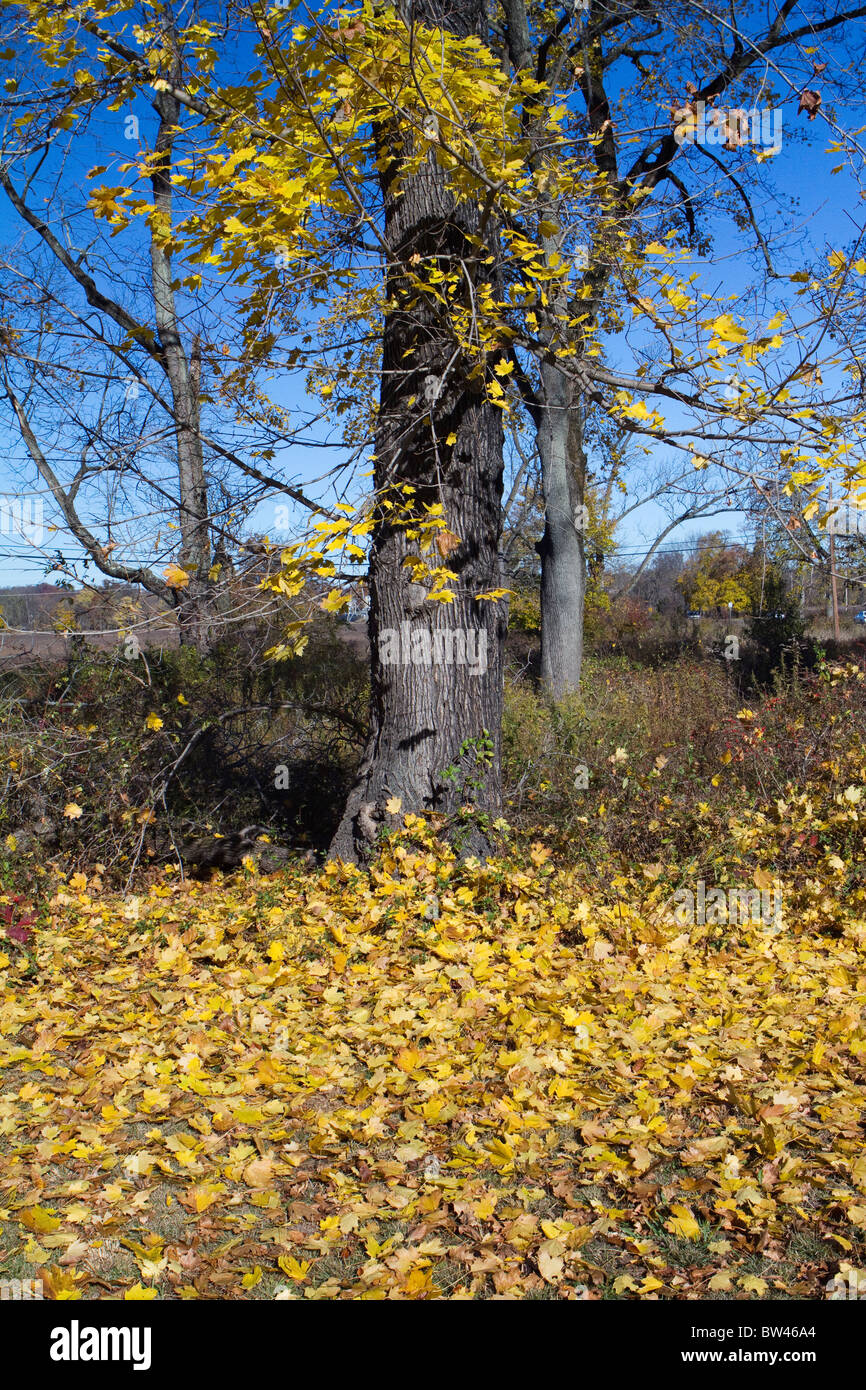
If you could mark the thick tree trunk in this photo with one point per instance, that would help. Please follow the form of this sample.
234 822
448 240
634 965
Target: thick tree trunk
436 704
563 573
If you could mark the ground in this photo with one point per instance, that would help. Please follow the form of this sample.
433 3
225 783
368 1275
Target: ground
429 1079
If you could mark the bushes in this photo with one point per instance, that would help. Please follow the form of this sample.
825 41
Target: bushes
112 760
672 712
775 631
108 762
678 775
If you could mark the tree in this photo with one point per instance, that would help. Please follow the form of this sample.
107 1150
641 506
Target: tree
597 43
107 369
718 573
437 666
776 624
185 584
382 171
434 740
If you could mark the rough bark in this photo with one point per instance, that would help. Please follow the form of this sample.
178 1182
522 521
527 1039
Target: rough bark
435 728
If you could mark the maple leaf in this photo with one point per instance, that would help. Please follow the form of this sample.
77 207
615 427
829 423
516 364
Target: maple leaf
726 329
175 577
335 602
752 1283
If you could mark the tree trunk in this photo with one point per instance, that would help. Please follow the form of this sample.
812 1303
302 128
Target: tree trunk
563 573
436 700
183 376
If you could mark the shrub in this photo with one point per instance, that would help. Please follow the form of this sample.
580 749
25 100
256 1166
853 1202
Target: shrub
113 761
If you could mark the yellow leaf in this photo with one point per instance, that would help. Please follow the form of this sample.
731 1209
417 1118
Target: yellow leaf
753 1284
38 1219
334 601
204 1195
683 1223
407 1059
727 329
175 577
249 1115
295 1269
549 1266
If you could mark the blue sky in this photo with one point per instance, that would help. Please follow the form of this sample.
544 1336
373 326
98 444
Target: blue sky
824 216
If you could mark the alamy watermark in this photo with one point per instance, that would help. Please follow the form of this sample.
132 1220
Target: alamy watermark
736 907
700 124
849 1283
847 518
77 1343
20 1290
21 515
453 646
